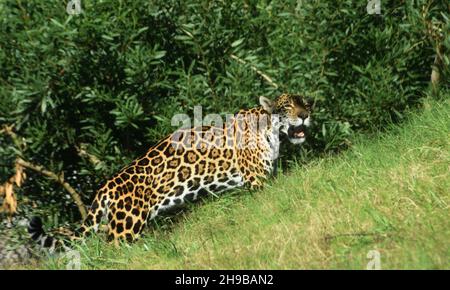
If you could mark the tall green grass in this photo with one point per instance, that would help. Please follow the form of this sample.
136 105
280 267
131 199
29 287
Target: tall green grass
389 193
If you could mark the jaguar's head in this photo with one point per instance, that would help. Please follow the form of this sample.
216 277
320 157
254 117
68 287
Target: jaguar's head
293 113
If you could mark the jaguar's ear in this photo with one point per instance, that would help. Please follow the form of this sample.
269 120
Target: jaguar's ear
266 104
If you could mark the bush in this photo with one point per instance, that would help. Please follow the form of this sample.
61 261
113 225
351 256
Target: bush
107 82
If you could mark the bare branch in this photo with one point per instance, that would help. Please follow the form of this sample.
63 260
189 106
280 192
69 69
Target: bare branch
82 152
40 169
435 33
263 75
435 72
60 179
8 130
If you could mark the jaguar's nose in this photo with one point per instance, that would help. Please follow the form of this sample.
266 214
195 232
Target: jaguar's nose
303 115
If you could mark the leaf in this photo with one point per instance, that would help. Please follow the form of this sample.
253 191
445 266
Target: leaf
107 37
141 30
237 42
159 54
43 106
358 69
54 21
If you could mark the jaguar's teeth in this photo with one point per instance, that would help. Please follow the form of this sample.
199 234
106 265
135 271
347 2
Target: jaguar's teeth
299 134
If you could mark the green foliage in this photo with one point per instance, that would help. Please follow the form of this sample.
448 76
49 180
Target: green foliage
110 79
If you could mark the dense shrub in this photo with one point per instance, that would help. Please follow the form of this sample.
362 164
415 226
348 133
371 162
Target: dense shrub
109 80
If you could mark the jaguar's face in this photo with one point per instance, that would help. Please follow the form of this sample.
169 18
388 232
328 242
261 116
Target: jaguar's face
294 115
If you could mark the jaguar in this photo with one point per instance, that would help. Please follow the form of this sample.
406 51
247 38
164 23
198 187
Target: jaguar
190 163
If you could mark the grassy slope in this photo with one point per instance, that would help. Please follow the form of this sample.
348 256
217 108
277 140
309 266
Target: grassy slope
388 193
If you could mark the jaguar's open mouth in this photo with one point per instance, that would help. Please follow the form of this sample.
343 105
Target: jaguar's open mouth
296 132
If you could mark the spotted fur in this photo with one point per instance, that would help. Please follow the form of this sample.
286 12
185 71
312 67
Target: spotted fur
190 163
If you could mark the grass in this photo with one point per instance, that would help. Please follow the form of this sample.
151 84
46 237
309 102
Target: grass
389 193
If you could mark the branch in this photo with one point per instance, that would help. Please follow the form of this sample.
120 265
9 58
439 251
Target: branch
263 75
434 31
40 169
82 152
60 179
435 71
8 130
